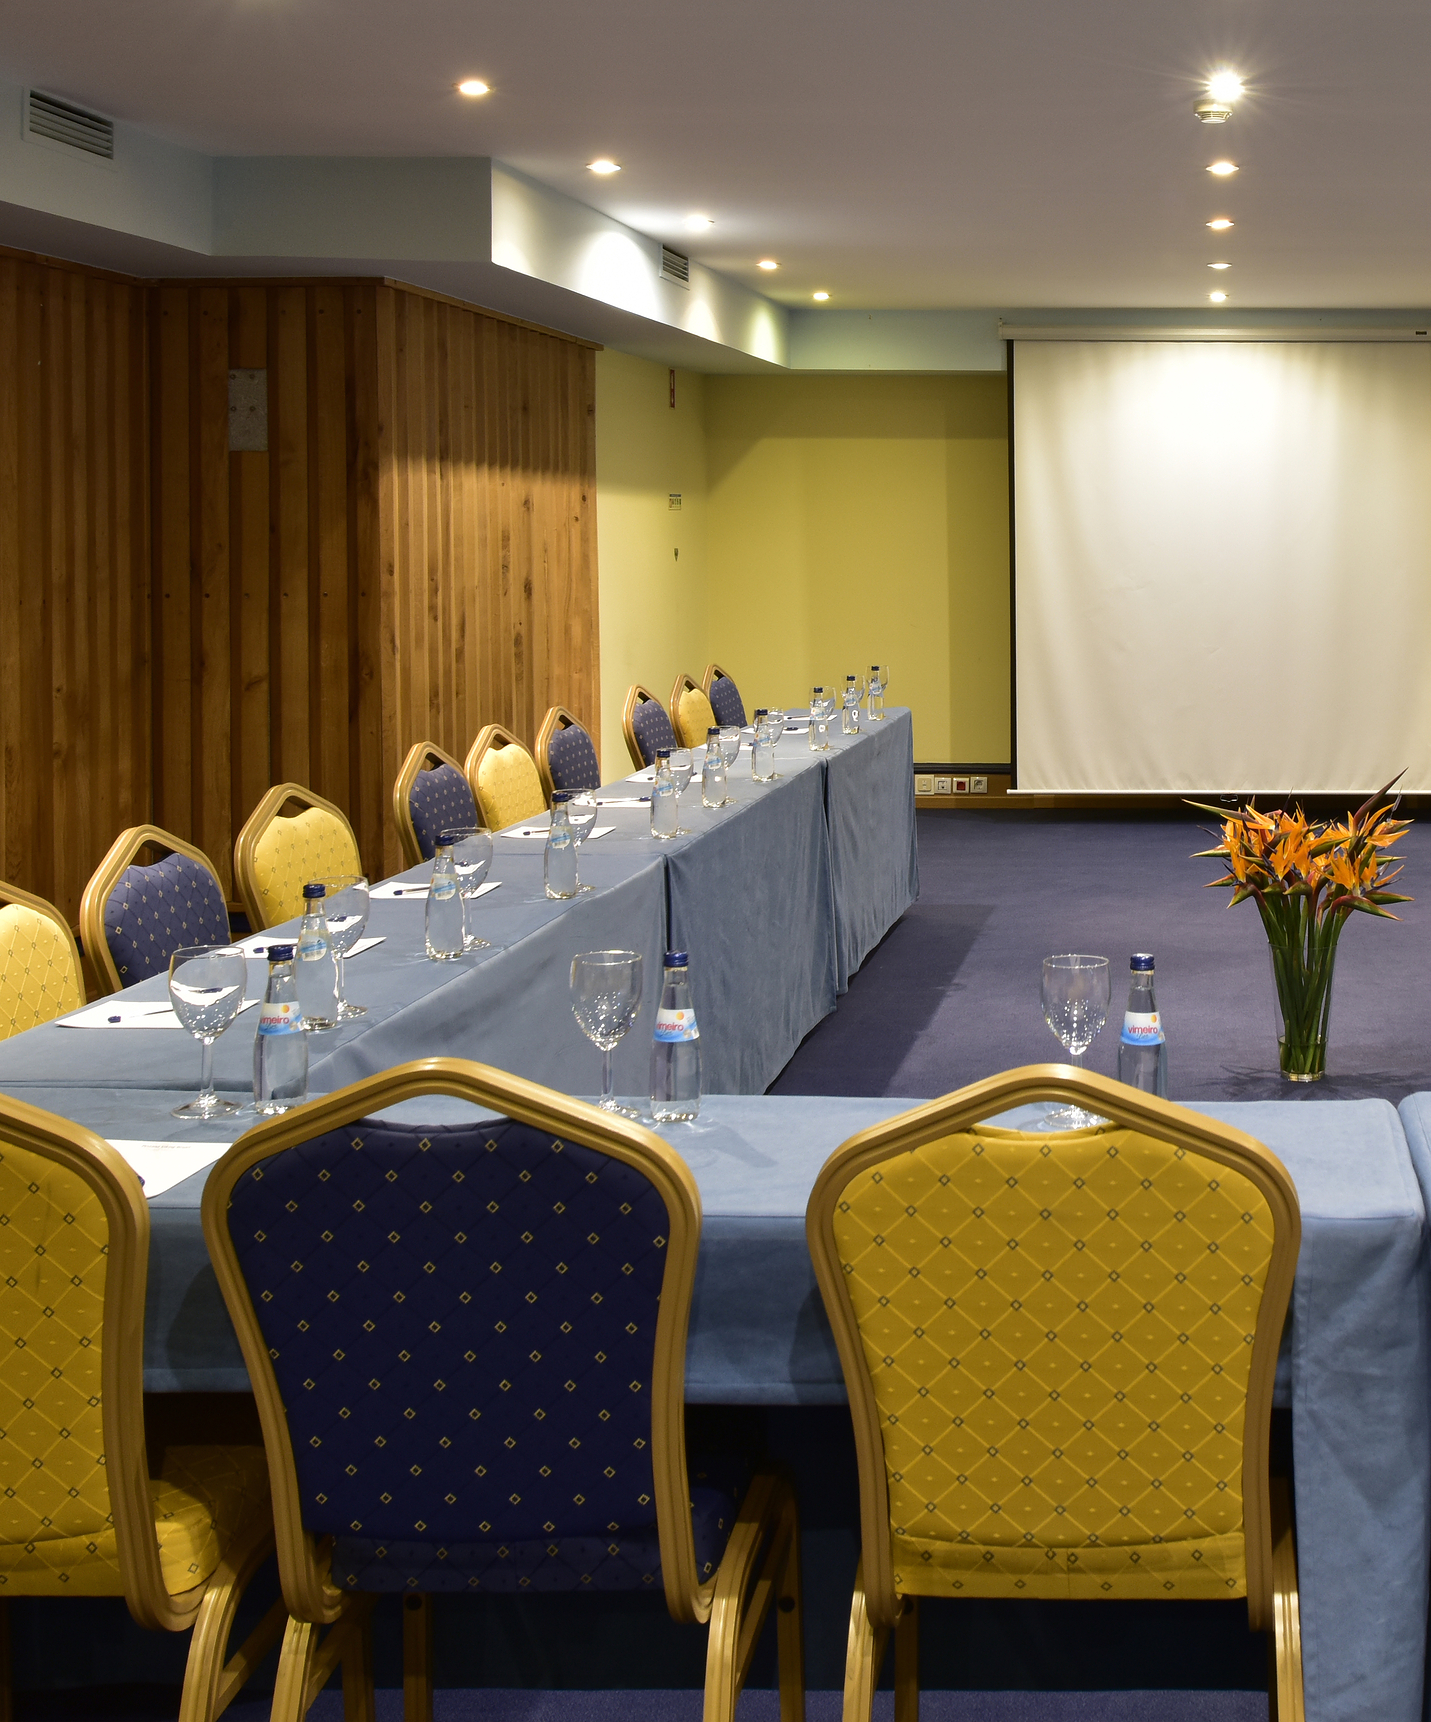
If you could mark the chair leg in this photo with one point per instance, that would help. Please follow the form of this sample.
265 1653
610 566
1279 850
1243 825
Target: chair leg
751 1579
790 1626
1287 1702
305 1664
7 1702
417 1659
906 1663
210 1682
864 1657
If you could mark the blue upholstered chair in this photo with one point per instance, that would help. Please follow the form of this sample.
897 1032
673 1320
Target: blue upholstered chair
133 917
646 725
724 696
431 796
566 754
467 1342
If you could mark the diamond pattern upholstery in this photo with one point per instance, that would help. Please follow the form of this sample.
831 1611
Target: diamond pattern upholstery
461 1323
38 978
440 800
696 717
571 759
154 911
508 788
726 702
652 729
315 844
1059 1335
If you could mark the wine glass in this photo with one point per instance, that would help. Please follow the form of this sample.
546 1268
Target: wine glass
471 857
581 810
605 996
345 899
730 744
206 985
1075 1006
682 765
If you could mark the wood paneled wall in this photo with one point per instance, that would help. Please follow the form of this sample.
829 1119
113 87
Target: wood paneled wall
74 571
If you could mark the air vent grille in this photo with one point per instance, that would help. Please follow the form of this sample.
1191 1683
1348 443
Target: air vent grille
64 123
674 267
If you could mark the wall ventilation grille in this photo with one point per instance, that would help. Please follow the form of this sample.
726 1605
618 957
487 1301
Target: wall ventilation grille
674 267
64 123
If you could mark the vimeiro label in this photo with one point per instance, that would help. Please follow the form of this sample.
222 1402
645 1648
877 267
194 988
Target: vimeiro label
280 1018
1142 1028
676 1025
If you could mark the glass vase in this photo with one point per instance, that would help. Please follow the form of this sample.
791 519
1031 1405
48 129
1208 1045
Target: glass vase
1302 980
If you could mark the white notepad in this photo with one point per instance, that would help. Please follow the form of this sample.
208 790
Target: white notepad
544 831
116 1013
259 947
162 1165
409 892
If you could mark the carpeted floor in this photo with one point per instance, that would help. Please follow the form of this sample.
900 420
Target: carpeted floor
952 994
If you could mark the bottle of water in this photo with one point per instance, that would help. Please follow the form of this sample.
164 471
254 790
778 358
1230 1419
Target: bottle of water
713 772
676 1048
1143 1048
816 731
876 700
850 717
762 750
665 808
280 1048
445 924
559 862
317 971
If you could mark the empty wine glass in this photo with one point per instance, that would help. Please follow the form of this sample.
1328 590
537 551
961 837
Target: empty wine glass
471 848
206 985
682 765
345 900
605 996
1075 1006
730 744
581 810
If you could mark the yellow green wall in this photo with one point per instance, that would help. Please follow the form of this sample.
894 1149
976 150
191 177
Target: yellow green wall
827 522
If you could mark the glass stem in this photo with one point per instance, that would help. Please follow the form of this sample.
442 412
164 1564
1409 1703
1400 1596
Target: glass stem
606 1078
338 965
206 1076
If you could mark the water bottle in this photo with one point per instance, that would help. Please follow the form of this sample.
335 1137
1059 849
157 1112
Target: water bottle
762 750
280 1048
1143 1048
665 809
559 862
876 700
676 1048
445 923
317 972
816 730
713 772
850 717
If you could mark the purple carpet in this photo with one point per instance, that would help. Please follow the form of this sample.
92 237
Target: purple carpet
952 993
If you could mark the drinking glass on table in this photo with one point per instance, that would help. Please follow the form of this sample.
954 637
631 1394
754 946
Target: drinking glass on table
682 765
206 985
346 902
471 848
581 810
730 744
1075 1006
605 996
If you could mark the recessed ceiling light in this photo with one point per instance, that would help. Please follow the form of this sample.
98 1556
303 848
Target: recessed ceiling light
1225 86
767 263
1222 168
1217 298
603 164
821 296
1219 266
1220 224
473 87
698 223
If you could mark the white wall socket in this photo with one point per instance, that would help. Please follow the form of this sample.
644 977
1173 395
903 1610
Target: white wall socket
924 786
979 785
941 786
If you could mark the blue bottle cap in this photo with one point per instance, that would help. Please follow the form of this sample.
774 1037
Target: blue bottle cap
714 730
1141 960
280 953
561 795
663 753
315 888
676 959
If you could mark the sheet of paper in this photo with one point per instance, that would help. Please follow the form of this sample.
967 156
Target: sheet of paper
116 1012
623 801
259 947
646 776
408 891
543 832
162 1165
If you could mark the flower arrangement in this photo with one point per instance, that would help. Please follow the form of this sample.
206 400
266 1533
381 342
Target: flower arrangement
1306 878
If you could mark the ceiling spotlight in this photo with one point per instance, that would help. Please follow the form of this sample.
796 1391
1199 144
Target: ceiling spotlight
767 263
821 296
1217 298
1219 266
698 223
603 165
1220 224
473 87
1222 168
1224 86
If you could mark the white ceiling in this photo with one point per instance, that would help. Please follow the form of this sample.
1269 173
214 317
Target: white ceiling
909 153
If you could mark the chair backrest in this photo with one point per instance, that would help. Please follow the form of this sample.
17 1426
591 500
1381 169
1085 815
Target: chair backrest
74 1477
468 1333
691 714
724 696
276 855
40 976
431 795
645 725
1059 1347
504 778
566 754
133 918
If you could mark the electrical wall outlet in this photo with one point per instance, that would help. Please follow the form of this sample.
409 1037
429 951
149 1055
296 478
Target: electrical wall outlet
941 786
961 785
924 786
979 785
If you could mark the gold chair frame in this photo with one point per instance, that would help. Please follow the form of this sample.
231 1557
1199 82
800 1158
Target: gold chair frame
42 906
268 809
211 1681
878 1610
761 1565
558 717
417 757
635 694
107 875
489 736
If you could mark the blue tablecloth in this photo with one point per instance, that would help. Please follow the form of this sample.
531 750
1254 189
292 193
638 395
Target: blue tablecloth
874 863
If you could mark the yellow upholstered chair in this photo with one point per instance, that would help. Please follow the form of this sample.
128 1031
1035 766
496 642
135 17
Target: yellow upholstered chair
80 1514
40 976
1059 1349
134 917
275 856
504 779
431 795
692 714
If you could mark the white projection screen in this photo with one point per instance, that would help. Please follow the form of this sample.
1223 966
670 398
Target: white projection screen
1222 566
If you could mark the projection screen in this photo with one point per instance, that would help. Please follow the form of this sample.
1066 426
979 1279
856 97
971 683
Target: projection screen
1222 566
